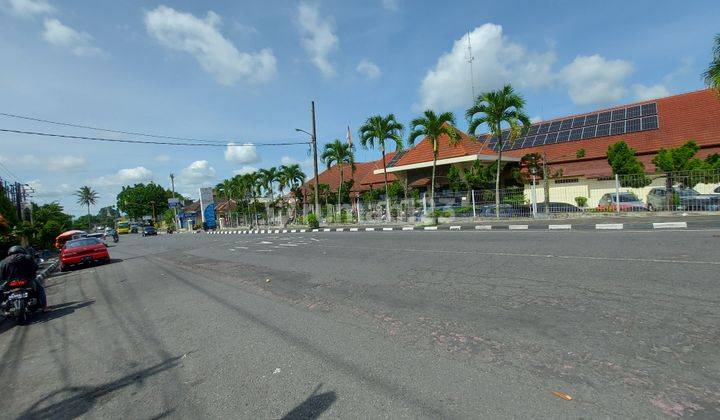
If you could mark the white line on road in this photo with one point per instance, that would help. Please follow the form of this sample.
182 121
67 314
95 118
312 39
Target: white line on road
369 229
387 229
483 227
559 227
327 230
408 228
609 226
518 227
670 225
430 228
340 230
455 228
354 229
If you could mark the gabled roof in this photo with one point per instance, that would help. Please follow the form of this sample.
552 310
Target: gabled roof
423 151
331 176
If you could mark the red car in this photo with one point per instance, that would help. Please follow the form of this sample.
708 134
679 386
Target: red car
83 251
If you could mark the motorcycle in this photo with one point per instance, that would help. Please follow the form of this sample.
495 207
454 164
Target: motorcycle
19 300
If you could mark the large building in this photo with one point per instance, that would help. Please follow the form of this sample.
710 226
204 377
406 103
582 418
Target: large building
574 146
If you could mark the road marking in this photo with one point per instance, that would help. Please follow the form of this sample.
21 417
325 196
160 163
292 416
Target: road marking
316 230
277 231
455 228
430 228
483 227
340 230
387 229
293 230
284 231
303 230
518 227
354 229
369 229
327 230
609 226
670 225
408 228
559 227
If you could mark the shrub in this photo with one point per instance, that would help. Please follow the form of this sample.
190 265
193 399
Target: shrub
312 221
581 201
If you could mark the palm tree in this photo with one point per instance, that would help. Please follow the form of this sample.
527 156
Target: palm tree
290 176
268 178
712 74
254 182
432 126
226 188
376 130
496 108
87 197
341 154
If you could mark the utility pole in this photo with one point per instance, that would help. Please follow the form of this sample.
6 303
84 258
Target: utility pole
546 185
18 200
172 182
315 161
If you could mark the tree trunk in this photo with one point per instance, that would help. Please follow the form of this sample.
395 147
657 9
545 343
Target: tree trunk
432 187
387 189
497 179
340 192
89 221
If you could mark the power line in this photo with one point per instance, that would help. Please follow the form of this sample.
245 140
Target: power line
110 130
166 143
9 172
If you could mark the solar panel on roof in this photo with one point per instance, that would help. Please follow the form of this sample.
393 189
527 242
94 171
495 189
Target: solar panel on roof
602 130
649 109
566 124
539 140
617 128
576 134
551 138
544 128
533 130
633 112
591 119
555 126
633 125
563 136
618 114
604 117
589 132
650 123
578 122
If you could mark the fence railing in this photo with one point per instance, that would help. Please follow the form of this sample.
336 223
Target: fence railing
692 191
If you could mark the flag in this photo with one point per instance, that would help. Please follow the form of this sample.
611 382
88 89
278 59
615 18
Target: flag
349 137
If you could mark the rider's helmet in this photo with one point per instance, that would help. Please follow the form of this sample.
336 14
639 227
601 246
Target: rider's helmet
16 249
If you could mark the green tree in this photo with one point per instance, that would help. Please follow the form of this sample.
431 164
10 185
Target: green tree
85 222
290 176
376 131
681 164
138 200
340 154
433 126
455 180
625 164
50 220
87 197
107 216
502 111
712 74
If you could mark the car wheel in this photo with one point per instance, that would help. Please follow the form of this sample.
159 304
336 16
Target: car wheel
651 207
63 268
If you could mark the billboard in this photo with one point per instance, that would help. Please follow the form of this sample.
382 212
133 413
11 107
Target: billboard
207 207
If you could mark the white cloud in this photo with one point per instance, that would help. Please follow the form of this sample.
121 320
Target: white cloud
644 93
497 61
287 160
43 192
306 165
391 5
595 80
128 176
241 154
245 169
368 69
318 37
245 30
202 39
63 36
66 163
198 173
162 158
28 8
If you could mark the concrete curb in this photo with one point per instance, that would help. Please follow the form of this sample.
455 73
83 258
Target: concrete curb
496 227
45 273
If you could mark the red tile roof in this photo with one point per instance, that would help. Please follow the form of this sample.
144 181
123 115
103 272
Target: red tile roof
688 116
331 176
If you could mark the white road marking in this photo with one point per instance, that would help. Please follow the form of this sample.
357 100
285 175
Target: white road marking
430 228
455 228
670 225
327 230
369 229
387 229
518 227
339 230
408 228
483 227
609 226
559 227
354 229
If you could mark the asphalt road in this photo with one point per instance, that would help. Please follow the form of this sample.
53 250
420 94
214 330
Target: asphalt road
377 325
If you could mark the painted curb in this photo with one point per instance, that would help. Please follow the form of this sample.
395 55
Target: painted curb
609 226
670 225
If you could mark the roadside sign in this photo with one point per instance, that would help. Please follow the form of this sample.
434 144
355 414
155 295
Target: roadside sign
173 202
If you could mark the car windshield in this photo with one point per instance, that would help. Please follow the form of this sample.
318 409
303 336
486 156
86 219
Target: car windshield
82 242
686 192
626 198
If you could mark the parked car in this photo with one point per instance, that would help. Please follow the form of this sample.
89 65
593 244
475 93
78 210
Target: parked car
149 231
557 208
67 236
628 202
134 228
506 210
83 251
717 190
687 199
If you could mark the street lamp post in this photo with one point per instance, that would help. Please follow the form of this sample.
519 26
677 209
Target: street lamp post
313 141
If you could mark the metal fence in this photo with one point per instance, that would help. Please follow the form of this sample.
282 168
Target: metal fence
692 191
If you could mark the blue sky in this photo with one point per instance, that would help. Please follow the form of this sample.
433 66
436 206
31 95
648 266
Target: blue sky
246 72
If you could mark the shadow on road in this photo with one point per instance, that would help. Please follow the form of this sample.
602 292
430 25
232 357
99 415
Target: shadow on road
54 312
313 406
75 401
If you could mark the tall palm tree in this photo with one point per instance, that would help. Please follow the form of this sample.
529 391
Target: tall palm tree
254 182
341 154
225 188
268 178
432 126
290 176
87 197
712 74
376 131
498 108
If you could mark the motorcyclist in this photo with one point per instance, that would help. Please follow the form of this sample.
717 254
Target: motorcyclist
19 265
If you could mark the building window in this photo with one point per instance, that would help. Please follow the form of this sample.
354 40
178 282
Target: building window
567 181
